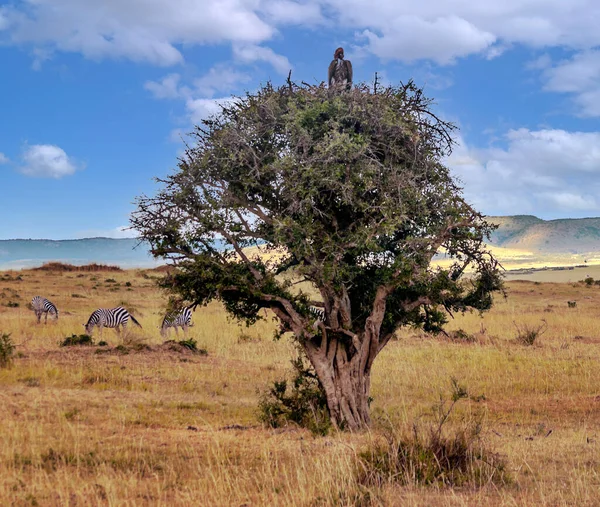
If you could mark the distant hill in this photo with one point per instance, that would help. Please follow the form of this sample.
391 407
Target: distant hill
24 253
517 236
562 236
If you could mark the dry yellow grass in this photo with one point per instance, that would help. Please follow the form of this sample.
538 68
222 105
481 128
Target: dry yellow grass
163 427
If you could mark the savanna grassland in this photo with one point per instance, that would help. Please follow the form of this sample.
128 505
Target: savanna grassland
138 422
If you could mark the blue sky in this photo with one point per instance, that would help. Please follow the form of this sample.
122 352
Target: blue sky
94 95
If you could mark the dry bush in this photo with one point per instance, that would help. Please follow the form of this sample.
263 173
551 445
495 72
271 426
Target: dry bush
433 456
528 334
7 350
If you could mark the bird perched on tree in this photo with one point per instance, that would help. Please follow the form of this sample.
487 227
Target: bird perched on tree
340 70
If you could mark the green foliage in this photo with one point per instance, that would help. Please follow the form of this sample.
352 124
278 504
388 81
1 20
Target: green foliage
433 456
350 184
589 281
301 401
73 340
7 350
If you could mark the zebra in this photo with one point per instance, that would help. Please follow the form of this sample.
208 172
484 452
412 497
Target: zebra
319 315
109 317
42 305
181 318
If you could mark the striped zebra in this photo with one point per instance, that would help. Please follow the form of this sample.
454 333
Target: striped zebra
42 305
319 315
109 317
176 319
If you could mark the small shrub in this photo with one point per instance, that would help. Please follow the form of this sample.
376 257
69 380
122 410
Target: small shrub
71 414
7 350
73 340
12 304
247 338
31 381
433 456
122 349
127 284
192 345
527 335
110 280
460 335
78 296
589 281
304 403
102 343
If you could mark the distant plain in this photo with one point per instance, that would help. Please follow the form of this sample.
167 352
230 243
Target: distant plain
138 422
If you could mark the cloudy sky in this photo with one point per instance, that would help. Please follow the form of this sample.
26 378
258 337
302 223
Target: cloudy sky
95 94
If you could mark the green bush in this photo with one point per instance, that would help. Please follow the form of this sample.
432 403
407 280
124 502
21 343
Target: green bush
303 402
7 350
460 335
192 345
73 340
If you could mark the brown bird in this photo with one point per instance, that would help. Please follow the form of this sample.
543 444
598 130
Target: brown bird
340 71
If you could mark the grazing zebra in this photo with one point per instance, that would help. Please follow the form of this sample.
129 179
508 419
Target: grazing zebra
42 305
181 318
109 317
318 314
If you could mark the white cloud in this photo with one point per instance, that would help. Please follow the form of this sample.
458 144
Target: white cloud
156 31
443 30
412 38
220 78
3 158
166 88
579 75
200 109
47 161
542 171
250 53
293 13
198 97
138 30
3 19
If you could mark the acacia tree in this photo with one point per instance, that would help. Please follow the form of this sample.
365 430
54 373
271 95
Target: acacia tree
352 188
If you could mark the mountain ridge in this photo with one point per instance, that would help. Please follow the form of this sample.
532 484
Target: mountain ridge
557 236
526 233
124 252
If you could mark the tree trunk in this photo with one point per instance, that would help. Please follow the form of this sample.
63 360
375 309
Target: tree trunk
347 385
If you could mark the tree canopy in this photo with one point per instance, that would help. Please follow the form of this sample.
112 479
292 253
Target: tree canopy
351 186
